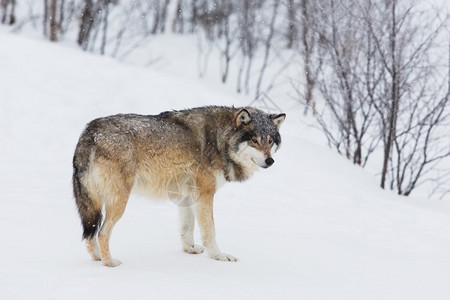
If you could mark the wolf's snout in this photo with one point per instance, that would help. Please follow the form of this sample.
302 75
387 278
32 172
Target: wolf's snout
269 161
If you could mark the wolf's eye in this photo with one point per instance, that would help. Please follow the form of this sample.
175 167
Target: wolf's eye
254 141
270 142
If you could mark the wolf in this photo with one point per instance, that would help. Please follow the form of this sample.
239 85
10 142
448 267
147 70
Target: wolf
186 154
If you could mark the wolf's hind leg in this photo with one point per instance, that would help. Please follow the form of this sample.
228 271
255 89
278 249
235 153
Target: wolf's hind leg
93 248
187 223
113 213
116 184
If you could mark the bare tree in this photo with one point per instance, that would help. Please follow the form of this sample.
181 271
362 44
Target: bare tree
229 37
346 76
417 148
411 107
382 83
195 10
307 48
248 41
87 21
159 15
128 12
162 22
52 18
93 15
105 15
267 47
156 16
178 20
213 21
292 31
391 62
54 22
8 18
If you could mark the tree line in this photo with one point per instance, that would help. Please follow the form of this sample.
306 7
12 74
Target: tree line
375 74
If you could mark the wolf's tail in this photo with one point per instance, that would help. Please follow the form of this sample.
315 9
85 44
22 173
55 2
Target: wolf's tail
90 211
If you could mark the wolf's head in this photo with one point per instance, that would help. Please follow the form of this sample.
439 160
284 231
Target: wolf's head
259 137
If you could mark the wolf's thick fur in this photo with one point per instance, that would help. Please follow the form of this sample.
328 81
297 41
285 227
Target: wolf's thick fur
184 155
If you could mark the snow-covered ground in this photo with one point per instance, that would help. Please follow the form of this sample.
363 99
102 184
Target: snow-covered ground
313 226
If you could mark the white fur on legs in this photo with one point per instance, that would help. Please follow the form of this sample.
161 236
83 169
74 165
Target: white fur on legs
187 223
113 263
214 253
225 257
103 241
204 214
93 248
104 250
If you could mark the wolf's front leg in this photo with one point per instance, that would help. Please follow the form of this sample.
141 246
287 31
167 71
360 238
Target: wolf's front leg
204 214
187 222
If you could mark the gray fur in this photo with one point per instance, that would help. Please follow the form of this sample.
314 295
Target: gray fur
117 152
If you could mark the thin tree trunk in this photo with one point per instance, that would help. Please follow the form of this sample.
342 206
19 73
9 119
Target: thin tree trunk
53 21
45 18
194 15
392 128
226 52
105 27
178 22
156 16
164 15
307 56
239 77
247 75
87 20
267 49
292 28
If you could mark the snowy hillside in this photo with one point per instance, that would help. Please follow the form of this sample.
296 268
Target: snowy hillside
313 226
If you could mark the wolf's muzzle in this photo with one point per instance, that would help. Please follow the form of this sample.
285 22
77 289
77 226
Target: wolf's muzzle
269 161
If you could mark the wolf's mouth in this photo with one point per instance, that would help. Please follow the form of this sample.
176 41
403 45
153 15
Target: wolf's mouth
254 162
265 166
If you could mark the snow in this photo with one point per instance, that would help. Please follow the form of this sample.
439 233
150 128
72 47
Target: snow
313 226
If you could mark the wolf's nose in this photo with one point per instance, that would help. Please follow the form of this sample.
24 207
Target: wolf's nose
269 161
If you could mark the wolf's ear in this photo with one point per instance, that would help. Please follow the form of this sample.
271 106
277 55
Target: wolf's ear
242 117
278 119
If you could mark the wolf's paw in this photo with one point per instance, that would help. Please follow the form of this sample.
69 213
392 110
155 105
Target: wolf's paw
224 257
112 263
93 249
95 257
196 249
